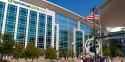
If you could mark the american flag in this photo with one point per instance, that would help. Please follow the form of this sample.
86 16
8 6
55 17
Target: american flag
93 16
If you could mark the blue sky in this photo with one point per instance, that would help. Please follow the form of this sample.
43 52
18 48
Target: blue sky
81 7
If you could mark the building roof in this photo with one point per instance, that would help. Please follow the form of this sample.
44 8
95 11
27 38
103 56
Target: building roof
113 13
56 8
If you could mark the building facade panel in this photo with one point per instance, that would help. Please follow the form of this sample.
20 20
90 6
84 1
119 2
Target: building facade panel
63 30
86 28
2 7
26 23
22 21
32 26
55 37
41 30
67 26
10 19
79 42
49 31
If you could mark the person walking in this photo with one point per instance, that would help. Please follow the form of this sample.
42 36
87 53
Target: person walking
84 59
57 59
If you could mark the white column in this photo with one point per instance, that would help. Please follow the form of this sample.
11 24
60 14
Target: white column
57 37
16 25
45 31
37 25
4 19
74 41
53 30
83 39
27 27
78 25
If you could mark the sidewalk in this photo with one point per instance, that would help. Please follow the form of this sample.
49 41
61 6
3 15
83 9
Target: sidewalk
46 60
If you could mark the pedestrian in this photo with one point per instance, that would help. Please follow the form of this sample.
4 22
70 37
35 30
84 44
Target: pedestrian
57 59
102 59
84 59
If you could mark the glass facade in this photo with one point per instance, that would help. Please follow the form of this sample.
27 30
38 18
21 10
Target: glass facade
86 29
32 26
27 27
55 36
22 21
79 42
66 27
10 19
49 31
41 30
2 7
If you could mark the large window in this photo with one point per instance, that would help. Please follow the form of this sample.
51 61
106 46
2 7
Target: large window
86 28
22 21
10 19
55 36
49 31
66 27
32 26
2 6
41 31
79 42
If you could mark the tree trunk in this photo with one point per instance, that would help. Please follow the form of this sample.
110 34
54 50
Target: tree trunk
17 60
32 59
1 56
26 59
37 59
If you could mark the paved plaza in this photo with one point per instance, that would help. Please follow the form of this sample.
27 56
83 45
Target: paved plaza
63 60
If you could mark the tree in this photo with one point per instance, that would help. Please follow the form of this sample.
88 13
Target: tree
0 36
63 53
106 51
31 52
42 52
111 48
18 51
117 52
1 50
37 53
50 53
70 53
7 44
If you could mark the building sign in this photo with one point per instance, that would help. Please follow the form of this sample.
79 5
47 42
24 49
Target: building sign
10 1
27 5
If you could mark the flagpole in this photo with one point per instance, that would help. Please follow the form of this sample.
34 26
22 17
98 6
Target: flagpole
93 10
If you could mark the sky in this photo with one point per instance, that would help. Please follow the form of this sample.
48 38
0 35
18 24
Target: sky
81 7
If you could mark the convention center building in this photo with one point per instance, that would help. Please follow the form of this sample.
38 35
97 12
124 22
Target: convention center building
44 23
